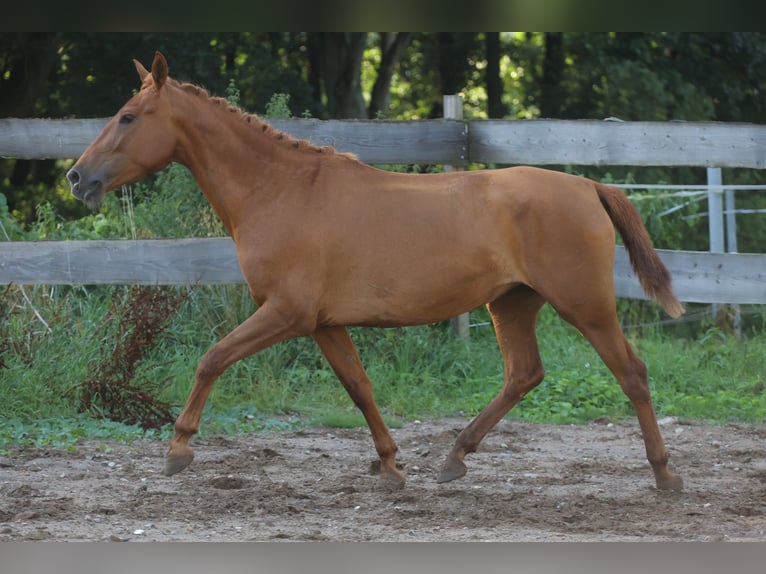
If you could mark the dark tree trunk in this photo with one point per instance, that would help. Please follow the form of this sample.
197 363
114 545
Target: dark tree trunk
340 66
552 96
495 107
449 72
392 47
27 72
313 45
452 52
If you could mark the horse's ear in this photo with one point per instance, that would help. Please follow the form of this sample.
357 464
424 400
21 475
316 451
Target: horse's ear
159 70
142 72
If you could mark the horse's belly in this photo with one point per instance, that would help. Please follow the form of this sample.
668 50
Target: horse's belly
420 299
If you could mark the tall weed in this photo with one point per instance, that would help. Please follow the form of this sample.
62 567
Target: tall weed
114 390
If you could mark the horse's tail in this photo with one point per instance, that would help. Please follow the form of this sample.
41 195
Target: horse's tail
647 265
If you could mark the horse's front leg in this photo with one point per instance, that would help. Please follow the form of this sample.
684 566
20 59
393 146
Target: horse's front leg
339 350
264 328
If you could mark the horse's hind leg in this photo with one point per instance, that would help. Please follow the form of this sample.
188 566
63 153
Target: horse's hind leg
339 350
514 316
598 323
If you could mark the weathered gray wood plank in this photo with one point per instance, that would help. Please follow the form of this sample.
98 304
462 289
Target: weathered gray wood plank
142 262
697 277
380 142
47 139
598 142
701 277
383 141
534 142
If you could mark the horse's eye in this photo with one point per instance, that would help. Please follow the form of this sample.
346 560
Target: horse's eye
127 118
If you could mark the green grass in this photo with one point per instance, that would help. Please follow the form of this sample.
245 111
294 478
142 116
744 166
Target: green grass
348 420
420 372
66 431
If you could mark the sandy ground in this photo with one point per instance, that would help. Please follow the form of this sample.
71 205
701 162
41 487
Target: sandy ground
527 482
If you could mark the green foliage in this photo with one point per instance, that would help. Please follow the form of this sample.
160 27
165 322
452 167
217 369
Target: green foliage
349 420
66 432
419 372
233 93
671 219
278 107
714 377
173 206
9 226
40 367
246 419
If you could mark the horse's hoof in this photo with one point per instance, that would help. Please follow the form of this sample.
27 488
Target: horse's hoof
452 470
670 482
176 462
392 480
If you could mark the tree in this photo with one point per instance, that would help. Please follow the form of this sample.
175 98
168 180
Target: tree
338 56
27 61
551 92
335 70
392 45
495 106
453 49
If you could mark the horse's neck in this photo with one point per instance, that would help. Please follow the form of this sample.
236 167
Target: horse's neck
233 163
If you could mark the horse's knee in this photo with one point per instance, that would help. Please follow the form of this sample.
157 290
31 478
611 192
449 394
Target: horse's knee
210 367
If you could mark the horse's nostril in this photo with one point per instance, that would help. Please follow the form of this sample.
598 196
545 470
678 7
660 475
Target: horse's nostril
73 176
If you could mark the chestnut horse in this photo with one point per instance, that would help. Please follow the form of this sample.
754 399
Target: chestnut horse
325 242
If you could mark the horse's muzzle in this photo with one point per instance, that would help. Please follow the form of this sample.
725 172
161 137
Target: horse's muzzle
88 191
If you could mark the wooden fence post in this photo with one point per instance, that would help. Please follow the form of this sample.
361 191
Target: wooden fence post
453 110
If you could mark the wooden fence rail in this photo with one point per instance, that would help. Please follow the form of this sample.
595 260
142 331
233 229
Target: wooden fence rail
697 276
534 142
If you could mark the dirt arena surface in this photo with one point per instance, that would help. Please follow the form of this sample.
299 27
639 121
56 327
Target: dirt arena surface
527 482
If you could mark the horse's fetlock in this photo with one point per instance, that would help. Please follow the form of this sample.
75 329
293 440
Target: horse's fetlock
184 429
661 461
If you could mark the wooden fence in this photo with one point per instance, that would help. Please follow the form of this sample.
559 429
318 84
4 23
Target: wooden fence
698 276
453 142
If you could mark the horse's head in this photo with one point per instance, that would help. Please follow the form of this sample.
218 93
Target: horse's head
140 139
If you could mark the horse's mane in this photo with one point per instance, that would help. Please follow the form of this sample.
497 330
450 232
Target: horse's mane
257 123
